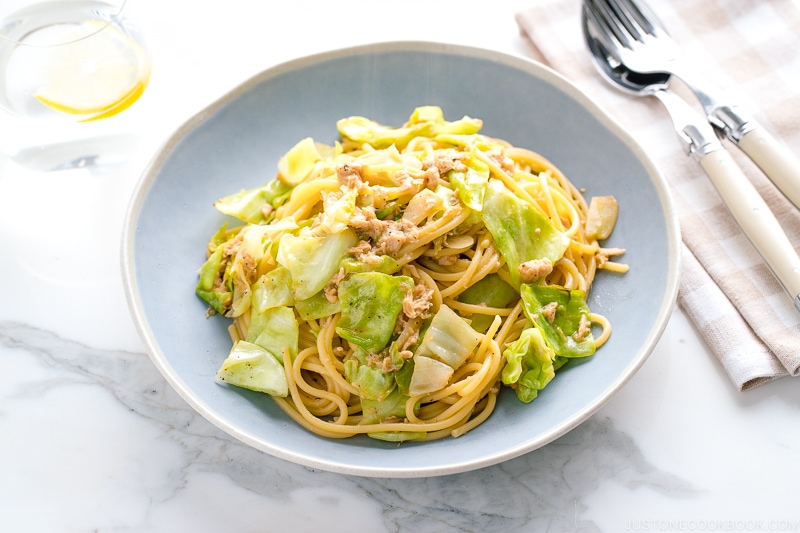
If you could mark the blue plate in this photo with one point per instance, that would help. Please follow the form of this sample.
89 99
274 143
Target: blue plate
235 143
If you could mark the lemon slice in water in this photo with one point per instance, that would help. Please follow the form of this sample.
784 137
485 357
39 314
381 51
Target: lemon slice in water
99 73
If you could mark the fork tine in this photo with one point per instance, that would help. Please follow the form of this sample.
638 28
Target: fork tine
643 16
596 31
628 16
657 27
607 22
634 11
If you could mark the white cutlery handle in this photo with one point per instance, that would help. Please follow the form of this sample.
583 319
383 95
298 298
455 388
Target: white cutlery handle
777 162
756 220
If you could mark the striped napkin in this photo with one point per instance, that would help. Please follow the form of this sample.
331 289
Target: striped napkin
750 48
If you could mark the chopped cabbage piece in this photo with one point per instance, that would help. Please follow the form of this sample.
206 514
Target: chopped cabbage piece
393 406
529 364
273 289
318 306
429 375
371 382
371 303
398 436
313 260
338 210
298 162
218 300
562 316
250 205
491 291
471 184
425 121
449 338
364 130
275 330
385 264
381 167
252 367
520 231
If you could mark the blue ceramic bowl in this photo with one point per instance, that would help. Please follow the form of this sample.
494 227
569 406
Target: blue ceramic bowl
235 143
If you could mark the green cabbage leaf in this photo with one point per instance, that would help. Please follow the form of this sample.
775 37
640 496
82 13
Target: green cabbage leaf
313 260
425 121
563 331
273 289
449 338
471 184
249 205
522 233
529 364
250 366
371 303
371 382
491 291
274 330
217 300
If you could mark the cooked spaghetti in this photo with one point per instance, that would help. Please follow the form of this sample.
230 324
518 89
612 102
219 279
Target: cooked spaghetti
393 283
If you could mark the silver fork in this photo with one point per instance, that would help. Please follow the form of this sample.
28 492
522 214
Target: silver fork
746 206
643 44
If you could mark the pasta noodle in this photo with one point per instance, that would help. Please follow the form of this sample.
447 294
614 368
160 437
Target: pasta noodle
393 284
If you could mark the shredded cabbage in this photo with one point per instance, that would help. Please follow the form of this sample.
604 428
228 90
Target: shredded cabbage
392 259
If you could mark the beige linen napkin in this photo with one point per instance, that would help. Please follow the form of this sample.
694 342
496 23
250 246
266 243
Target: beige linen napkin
751 48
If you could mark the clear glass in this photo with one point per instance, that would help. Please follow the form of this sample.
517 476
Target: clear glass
64 62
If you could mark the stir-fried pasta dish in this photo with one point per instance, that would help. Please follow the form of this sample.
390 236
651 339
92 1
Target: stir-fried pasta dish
394 283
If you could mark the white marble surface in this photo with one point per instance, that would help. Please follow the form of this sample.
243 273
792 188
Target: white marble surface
93 439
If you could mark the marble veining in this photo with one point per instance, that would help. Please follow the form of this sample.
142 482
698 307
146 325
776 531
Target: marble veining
544 489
